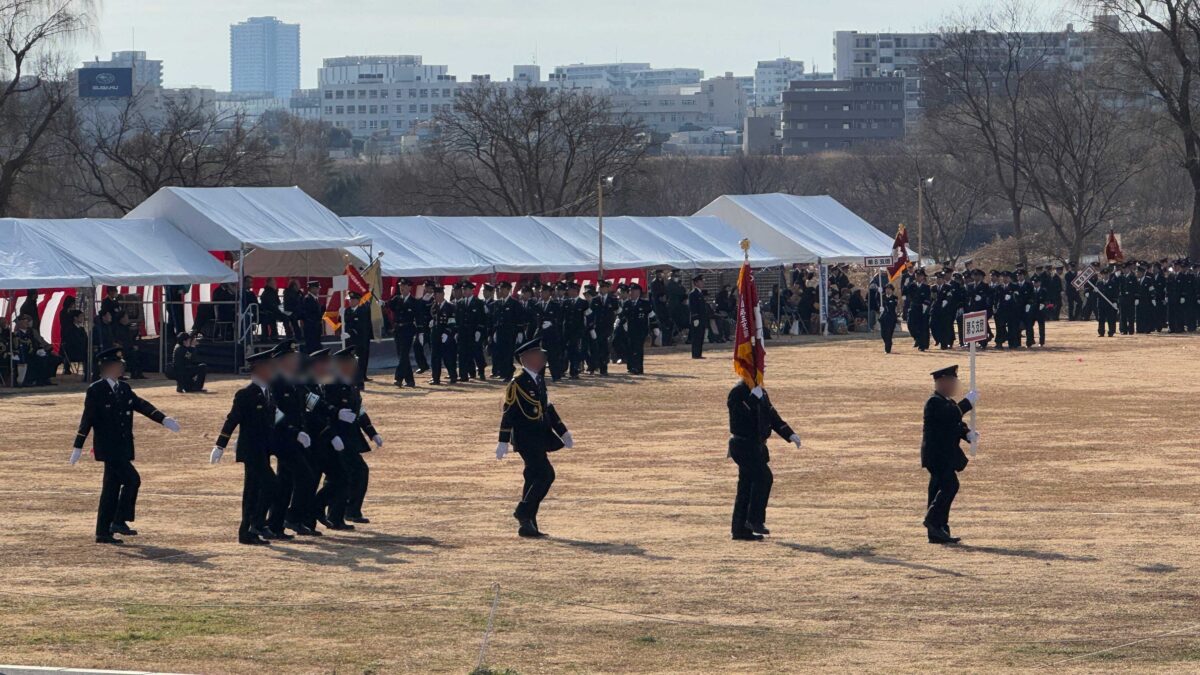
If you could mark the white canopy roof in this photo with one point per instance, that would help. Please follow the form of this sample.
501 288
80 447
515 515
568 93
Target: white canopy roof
801 229
692 242
88 251
269 218
417 246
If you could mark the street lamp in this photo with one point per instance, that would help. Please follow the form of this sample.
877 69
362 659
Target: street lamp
601 184
921 216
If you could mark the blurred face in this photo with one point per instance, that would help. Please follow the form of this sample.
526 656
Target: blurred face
262 370
534 359
347 369
319 370
288 366
946 386
113 371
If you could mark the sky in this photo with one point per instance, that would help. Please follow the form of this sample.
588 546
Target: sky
489 36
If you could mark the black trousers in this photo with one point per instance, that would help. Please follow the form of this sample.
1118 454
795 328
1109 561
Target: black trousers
466 355
576 353
556 355
539 476
295 490
331 498
422 338
600 352
1106 316
753 488
258 487
696 338
920 333
118 495
358 476
193 378
635 352
404 345
444 353
943 486
502 354
887 328
1128 312
362 347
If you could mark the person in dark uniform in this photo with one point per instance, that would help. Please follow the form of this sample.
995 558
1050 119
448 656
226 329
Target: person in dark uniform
658 297
189 371
403 308
108 408
605 310
312 318
324 455
1074 298
32 354
698 316
1144 302
1040 305
506 323
941 456
360 330
111 303
575 315
253 414
421 317
639 319
442 324
918 297
471 317
1106 314
269 313
888 317
530 424
1127 303
292 503
549 330
752 419
75 343
354 435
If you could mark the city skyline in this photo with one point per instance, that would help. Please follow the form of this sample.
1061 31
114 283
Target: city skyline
502 34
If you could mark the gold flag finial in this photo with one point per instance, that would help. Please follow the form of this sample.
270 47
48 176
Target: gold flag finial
745 244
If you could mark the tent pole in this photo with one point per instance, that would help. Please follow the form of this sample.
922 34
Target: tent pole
600 224
237 306
87 366
823 291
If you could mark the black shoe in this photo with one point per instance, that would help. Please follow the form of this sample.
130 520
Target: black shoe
757 528
107 539
939 536
747 536
269 534
252 540
422 371
359 519
300 529
325 521
528 529
122 528
435 382
340 526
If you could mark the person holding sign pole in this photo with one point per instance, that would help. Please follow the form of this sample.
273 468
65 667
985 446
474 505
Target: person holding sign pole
941 454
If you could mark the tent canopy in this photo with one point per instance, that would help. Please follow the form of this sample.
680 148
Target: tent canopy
692 242
416 246
74 253
269 218
801 229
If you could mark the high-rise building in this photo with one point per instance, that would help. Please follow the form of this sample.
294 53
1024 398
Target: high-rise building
771 79
264 56
383 95
146 72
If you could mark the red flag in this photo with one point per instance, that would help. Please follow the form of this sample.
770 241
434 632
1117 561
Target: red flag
899 254
356 283
333 310
1112 249
749 357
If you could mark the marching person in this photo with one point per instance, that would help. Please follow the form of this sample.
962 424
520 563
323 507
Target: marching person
108 409
442 325
638 316
606 308
189 372
403 307
888 317
359 332
1106 314
752 419
312 318
530 425
354 434
698 314
941 455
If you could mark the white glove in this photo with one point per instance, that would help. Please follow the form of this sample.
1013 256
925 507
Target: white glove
1041 307
16 358
1136 303
215 457
378 440
568 442
303 439
337 443
795 438
757 392
431 323
501 450
445 338
587 312
421 339
657 333
592 333
972 396
1182 301
1008 296
478 336
171 424
696 323
978 298
1153 303
651 315
945 302
1027 307
972 436
546 324
520 337
75 453
41 352
346 415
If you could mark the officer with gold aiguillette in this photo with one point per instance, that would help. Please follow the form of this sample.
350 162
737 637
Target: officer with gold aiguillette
532 427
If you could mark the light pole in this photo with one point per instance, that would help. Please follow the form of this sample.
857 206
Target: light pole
601 183
921 216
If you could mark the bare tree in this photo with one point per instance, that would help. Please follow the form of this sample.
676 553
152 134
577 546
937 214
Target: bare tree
530 150
34 90
977 83
124 154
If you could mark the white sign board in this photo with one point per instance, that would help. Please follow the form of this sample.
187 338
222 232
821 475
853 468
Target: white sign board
1083 277
975 328
877 261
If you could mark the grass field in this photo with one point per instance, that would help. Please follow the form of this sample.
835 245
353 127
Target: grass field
1079 519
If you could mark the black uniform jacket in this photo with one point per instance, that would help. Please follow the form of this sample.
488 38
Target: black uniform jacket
341 395
108 411
253 414
529 421
752 419
941 433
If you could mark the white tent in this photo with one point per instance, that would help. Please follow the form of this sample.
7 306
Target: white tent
801 229
417 246
517 244
27 260
284 231
701 242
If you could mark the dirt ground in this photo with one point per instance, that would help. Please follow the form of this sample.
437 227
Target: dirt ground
1079 519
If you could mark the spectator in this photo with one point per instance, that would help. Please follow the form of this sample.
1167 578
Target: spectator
269 314
29 307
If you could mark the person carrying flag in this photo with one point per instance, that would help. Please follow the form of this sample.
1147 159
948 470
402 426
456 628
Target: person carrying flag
752 417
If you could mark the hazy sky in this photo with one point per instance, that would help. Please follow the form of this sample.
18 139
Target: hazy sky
489 36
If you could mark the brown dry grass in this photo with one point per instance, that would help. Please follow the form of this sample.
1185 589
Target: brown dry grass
1079 514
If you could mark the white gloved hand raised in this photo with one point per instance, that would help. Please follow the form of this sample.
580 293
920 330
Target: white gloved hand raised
757 392
346 415
337 443
972 396
567 440
171 424
501 450
304 439
972 436
75 454
378 440
795 438
215 456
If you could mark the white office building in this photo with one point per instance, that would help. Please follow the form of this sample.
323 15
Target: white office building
626 76
146 72
771 79
264 56
382 95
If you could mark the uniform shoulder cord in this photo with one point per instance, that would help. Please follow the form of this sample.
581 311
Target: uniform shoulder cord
514 394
